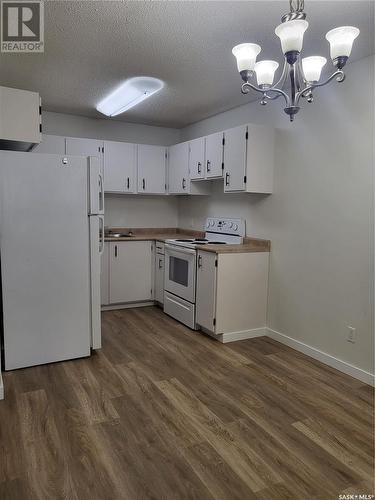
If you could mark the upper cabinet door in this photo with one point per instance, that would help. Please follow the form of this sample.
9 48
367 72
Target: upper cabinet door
51 144
196 158
214 155
235 159
85 147
152 169
120 161
178 172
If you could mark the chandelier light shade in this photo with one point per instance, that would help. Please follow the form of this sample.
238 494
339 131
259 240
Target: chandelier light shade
300 76
291 35
341 41
312 67
246 54
265 72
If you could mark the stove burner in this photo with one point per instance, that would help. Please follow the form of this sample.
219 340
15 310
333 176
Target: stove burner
200 240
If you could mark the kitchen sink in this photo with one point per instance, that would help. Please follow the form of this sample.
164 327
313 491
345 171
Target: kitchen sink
119 235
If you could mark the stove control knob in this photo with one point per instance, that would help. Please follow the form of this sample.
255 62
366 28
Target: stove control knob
231 225
235 227
208 224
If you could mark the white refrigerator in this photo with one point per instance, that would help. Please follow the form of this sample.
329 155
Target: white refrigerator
51 238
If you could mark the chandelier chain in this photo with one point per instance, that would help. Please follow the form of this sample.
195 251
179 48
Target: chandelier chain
296 5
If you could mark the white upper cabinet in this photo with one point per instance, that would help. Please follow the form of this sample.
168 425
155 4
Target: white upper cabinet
249 159
51 144
235 159
120 167
20 119
197 158
178 171
214 155
85 147
151 163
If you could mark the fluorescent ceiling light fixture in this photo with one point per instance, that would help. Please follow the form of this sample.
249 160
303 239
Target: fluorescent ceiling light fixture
129 94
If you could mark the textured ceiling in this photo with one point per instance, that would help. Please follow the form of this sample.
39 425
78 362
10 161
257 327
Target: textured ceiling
92 46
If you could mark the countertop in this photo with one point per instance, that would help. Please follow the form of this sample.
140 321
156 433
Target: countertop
161 234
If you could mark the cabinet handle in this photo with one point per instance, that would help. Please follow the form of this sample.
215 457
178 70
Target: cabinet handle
199 167
116 251
183 183
227 179
144 184
208 166
199 261
128 182
160 264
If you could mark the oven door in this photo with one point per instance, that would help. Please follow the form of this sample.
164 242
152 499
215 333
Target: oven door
180 272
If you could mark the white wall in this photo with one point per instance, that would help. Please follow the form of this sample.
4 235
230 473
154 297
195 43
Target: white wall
112 130
127 210
320 217
141 211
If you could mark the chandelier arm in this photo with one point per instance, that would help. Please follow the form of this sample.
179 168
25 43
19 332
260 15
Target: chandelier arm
272 97
301 76
247 85
339 75
280 82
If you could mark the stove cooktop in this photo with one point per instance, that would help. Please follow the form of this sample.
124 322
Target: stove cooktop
219 231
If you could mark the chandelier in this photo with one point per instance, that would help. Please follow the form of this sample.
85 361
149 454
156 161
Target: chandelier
299 77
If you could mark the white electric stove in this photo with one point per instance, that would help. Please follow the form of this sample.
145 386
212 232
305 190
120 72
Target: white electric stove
219 231
181 265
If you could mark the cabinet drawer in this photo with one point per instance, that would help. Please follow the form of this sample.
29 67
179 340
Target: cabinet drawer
159 247
179 309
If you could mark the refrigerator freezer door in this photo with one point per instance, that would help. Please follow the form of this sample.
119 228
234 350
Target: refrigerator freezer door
45 258
96 250
96 187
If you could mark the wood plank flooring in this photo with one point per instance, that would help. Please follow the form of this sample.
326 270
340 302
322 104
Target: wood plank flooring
162 413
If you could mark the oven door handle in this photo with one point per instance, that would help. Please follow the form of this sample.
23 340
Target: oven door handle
183 250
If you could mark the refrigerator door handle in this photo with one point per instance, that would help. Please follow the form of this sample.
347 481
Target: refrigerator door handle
101 234
101 193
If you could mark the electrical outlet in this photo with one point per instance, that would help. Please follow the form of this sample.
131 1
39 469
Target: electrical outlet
352 334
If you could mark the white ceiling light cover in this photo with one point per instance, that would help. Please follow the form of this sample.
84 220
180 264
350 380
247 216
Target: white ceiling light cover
129 94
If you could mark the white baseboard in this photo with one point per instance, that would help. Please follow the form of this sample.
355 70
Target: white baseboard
342 366
130 305
246 334
1 388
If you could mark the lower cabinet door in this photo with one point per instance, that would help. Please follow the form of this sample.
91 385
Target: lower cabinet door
159 278
206 290
104 275
130 271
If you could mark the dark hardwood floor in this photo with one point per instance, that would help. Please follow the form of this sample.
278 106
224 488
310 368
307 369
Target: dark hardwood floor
164 413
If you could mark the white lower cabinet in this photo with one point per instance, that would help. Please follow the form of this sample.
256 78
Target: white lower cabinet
104 275
130 271
159 273
232 292
206 290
